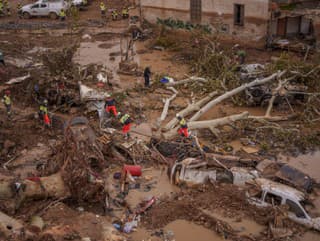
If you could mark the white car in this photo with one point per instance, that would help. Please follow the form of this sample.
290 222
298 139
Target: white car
272 193
49 8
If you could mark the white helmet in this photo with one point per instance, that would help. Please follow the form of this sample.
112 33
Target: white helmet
178 115
108 95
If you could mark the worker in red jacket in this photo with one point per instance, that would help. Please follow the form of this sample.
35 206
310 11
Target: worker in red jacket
110 105
183 129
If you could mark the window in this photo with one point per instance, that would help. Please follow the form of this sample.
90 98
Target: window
43 5
239 14
293 207
195 11
35 6
273 199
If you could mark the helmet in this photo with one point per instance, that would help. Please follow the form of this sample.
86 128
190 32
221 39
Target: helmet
178 116
108 96
7 92
45 101
119 114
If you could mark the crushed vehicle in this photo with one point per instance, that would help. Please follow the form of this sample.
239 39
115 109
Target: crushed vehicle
261 94
43 8
194 171
300 209
249 72
286 174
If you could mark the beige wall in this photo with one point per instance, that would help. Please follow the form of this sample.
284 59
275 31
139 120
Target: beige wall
218 13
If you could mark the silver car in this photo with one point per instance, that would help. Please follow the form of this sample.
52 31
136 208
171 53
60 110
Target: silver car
49 8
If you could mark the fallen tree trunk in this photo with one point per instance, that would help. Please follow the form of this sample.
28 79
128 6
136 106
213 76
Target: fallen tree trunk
9 226
167 103
208 123
217 122
188 80
274 93
233 92
50 186
191 108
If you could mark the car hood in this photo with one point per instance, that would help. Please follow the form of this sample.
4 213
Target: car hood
28 6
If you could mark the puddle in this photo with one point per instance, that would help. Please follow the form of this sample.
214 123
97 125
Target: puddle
143 234
91 53
236 145
310 236
244 226
161 186
187 231
308 164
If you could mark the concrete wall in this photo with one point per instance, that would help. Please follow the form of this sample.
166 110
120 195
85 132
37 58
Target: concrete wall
218 13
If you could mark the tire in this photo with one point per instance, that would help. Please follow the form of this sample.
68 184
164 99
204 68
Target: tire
53 15
26 15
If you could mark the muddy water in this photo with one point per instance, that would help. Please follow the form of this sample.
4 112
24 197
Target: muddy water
187 231
160 187
308 163
243 226
143 234
96 53
225 109
311 236
106 53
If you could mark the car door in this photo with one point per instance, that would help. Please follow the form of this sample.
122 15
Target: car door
297 213
44 9
35 10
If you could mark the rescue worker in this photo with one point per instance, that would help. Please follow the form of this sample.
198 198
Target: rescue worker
43 113
240 54
2 59
62 14
19 7
37 91
7 102
6 6
1 8
146 75
103 9
110 105
183 130
114 14
125 120
125 13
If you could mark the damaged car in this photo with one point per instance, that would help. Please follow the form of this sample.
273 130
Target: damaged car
300 209
286 174
192 171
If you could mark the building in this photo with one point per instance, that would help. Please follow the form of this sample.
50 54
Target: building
250 20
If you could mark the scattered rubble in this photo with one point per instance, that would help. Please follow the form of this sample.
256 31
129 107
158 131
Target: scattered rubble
82 179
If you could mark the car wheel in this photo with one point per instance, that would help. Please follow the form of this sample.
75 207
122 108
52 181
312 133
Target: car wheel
53 15
26 15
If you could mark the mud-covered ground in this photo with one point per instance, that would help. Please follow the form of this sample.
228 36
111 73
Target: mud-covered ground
208 212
